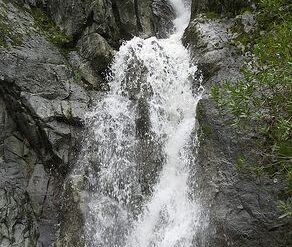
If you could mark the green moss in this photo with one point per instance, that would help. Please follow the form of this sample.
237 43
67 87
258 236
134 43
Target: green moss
211 15
246 39
8 35
240 163
201 112
50 30
206 128
285 208
77 75
246 10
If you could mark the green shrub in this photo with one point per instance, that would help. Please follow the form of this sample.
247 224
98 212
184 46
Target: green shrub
262 100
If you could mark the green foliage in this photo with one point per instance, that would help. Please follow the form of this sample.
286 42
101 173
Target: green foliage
273 12
286 208
237 100
206 129
241 163
211 15
262 100
242 37
77 75
50 29
272 4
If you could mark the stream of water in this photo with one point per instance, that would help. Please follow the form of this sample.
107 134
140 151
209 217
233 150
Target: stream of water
141 146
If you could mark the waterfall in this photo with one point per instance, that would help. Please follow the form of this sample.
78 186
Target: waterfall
139 150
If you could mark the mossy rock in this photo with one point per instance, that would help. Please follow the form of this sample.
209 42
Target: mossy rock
225 7
241 39
205 128
211 15
50 30
8 35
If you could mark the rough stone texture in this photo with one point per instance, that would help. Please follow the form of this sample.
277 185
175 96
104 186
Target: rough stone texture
95 49
241 207
44 94
115 20
163 17
73 211
29 200
209 43
42 107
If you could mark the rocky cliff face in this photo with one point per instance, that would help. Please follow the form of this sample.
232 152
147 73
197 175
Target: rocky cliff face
53 59
242 207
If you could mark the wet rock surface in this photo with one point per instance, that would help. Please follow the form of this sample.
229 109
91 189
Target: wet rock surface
163 16
42 107
46 88
242 208
54 56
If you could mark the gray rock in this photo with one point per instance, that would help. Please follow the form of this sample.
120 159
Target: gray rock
39 82
240 207
73 212
44 95
42 109
26 205
114 20
84 71
95 49
43 99
209 44
163 17
71 16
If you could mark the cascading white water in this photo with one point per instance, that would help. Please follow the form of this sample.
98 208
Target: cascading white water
153 93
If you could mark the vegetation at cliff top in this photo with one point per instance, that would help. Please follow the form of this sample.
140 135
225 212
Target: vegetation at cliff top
262 100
